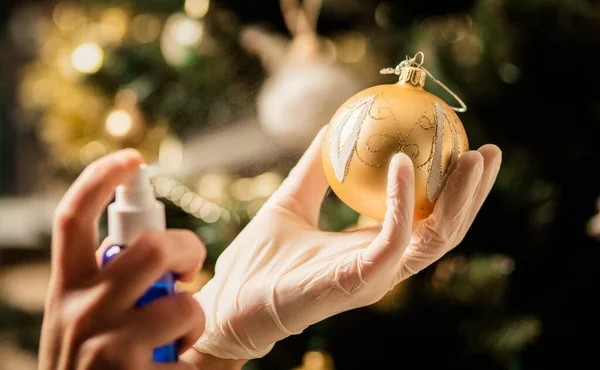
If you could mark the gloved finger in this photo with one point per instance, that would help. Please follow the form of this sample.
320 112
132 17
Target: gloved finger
173 318
433 239
74 233
143 262
395 232
303 190
492 158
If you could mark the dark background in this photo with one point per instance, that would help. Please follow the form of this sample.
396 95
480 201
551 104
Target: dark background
545 116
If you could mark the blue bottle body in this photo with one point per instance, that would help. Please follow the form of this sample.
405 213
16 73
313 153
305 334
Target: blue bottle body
163 287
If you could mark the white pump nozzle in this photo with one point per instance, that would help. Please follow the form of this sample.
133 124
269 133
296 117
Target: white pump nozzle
135 210
137 192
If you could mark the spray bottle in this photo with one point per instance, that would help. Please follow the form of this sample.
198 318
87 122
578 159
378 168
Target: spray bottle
134 211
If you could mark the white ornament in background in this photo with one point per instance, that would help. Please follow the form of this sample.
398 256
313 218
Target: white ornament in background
298 100
305 84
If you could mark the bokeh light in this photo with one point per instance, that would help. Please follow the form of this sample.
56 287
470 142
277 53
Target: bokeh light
213 186
119 123
509 73
209 212
87 58
197 8
68 16
92 151
145 28
187 31
180 35
351 47
113 25
170 155
382 15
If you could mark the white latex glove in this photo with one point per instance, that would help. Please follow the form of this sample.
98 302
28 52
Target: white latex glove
282 274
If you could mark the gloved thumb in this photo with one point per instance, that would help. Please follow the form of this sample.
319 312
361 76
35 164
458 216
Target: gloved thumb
303 190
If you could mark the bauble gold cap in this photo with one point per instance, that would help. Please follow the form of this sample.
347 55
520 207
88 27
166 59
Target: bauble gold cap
412 75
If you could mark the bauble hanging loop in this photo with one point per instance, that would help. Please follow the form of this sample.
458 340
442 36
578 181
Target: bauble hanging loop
413 71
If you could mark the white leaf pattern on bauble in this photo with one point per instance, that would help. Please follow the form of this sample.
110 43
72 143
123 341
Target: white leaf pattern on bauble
344 137
437 178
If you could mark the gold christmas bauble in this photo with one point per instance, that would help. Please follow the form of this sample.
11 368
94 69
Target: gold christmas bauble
375 124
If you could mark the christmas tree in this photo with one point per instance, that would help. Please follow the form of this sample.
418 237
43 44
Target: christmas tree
194 86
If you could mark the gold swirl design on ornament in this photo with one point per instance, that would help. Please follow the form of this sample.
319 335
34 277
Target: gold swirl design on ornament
401 137
346 133
430 122
401 145
428 161
368 163
379 115
402 142
375 150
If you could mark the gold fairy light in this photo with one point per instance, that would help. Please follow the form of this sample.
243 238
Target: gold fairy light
210 202
316 360
68 16
113 25
196 205
241 189
177 193
87 58
145 28
213 186
197 8
179 37
187 31
119 123
92 151
171 153
265 184
126 98
186 200
210 212
163 186
189 201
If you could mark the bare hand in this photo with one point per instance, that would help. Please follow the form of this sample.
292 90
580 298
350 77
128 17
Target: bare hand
90 321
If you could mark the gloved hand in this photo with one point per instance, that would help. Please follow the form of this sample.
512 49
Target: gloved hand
282 274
